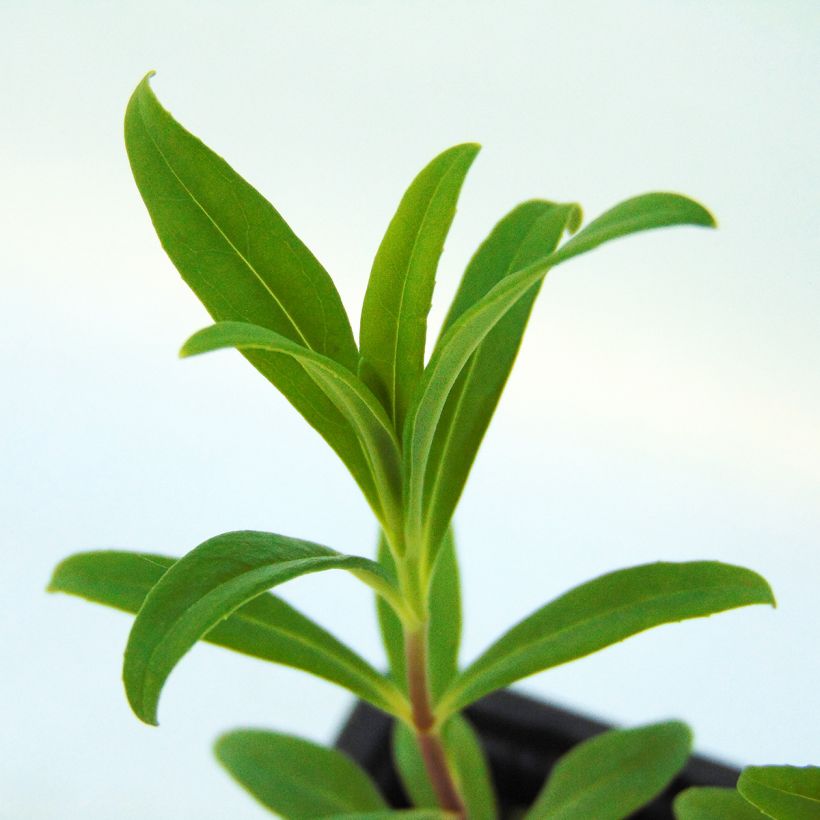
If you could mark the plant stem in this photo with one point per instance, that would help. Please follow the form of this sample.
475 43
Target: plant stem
424 723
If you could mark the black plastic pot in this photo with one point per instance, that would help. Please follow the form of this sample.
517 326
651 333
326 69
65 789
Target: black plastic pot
523 738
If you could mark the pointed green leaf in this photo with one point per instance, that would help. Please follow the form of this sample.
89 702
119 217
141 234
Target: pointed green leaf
603 612
354 401
526 234
783 792
468 766
400 290
712 803
265 627
242 261
294 777
208 585
612 775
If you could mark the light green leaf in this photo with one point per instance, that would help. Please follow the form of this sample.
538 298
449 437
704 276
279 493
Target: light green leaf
208 585
612 775
400 290
467 762
242 261
603 612
354 401
266 627
712 803
444 630
783 792
526 234
294 777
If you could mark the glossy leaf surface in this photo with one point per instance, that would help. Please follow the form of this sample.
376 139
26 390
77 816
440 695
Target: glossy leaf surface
612 775
296 778
400 290
206 586
603 612
707 803
266 627
783 792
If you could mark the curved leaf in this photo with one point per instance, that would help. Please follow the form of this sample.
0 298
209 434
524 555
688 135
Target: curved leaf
612 775
400 289
467 762
242 261
783 792
266 627
526 234
354 401
603 612
209 584
712 803
294 777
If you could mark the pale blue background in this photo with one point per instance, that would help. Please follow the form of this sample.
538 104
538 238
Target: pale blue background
665 404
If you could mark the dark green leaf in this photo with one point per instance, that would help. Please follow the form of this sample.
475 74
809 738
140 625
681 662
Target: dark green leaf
243 261
209 584
614 774
783 792
265 627
362 411
709 803
467 762
296 778
603 612
526 234
400 290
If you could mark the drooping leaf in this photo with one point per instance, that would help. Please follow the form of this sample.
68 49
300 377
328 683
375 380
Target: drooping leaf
603 612
783 792
266 627
400 290
242 261
712 803
527 233
209 584
472 327
467 762
296 778
612 775
444 631
362 411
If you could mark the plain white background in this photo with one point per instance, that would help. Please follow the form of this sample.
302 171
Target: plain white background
664 406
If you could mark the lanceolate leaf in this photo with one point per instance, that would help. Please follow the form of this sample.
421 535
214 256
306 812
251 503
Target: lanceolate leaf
266 627
603 612
783 792
472 327
362 411
468 766
614 774
242 260
527 233
400 290
296 778
709 803
209 584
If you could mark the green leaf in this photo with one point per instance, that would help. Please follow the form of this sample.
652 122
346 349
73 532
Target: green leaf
400 290
401 814
354 401
265 627
712 803
242 261
208 585
467 762
612 775
526 234
603 612
783 792
444 631
294 777
472 327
